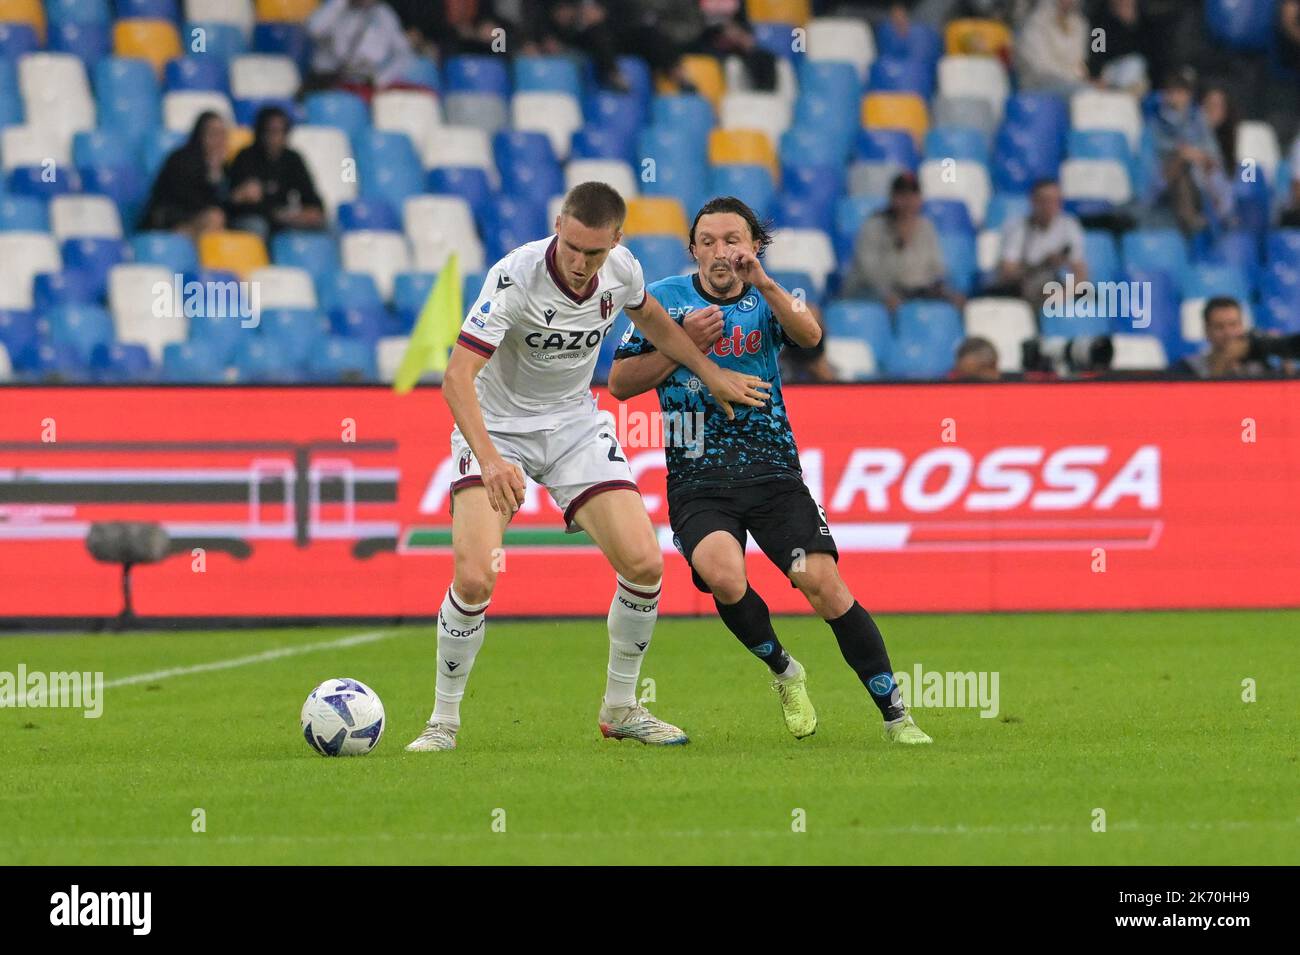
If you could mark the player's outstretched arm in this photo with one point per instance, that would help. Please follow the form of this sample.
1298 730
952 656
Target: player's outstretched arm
634 374
797 320
503 481
727 387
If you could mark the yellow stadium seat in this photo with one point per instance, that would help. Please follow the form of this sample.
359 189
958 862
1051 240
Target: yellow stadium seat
30 12
238 252
154 40
778 11
655 215
728 146
238 138
286 11
976 36
706 73
896 111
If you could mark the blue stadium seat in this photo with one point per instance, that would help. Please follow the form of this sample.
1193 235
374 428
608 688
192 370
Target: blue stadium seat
799 284
363 213
19 330
931 321
1206 281
959 256
803 144
246 110
192 363
32 181
96 258
102 147
342 359
956 142
901 75
1005 207
603 142
89 41
224 40
1241 24
1102 255
689 112
470 287
1163 249
799 212
750 183
636 74
510 221
822 184
1279 298
1283 245
82 326
477 74
23 214
11 98
527 165
172 250
837 126
197 71
66 287
17 39
1048 113
548 74
119 363
342 290
287 39
317 252
388 167
667 144
949 215
292 331
831 78
422 72
410 292
776 38
50 363
659 255
896 145
685 181
1072 326
260 360
921 41
620 112
335 108
866 321
78 11
127 97
1238 247
367 323
149 9
124 183
1164 316
919 358
1098 144
219 335
850 213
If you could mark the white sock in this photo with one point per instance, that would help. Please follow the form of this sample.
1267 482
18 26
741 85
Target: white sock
460 635
791 672
632 616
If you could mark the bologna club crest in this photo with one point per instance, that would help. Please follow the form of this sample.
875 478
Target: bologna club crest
464 461
606 305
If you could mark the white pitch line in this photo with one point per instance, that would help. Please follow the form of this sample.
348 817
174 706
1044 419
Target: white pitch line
355 640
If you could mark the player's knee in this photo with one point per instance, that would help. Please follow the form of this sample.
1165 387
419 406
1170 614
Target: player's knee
475 584
646 567
728 586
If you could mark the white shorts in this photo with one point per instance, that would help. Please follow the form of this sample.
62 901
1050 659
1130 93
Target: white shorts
574 456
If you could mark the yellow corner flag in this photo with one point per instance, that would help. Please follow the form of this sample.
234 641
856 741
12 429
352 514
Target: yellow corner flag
435 329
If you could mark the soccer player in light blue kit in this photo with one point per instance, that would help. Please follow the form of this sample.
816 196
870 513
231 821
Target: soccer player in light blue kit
745 477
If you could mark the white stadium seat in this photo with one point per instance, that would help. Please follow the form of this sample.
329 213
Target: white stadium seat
328 155
408 111
1191 318
846 39
33 146
852 358
131 296
94 216
182 108
612 172
981 76
968 181
23 255
235 12
802 250
379 254
988 250
1108 109
264 75
1096 179
438 226
764 111
460 146
1006 322
1258 141
1138 353
56 92
871 177
555 114
6 367
389 352
283 286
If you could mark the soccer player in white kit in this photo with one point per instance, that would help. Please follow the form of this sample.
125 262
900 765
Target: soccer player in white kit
519 387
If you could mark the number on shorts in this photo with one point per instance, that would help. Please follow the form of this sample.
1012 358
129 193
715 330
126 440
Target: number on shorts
613 449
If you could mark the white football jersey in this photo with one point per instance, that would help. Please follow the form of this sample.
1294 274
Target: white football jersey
541 336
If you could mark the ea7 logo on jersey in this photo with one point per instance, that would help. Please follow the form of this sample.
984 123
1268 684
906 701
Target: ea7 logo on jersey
567 341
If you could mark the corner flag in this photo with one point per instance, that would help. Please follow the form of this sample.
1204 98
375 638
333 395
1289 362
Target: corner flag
435 329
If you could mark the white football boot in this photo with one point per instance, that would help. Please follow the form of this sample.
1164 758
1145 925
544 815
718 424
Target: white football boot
436 736
638 723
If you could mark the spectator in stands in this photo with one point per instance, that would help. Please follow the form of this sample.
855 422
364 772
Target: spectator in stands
1222 117
977 360
270 186
1194 186
1052 48
584 25
1041 247
1288 34
660 31
897 256
727 33
1291 211
359 45
1227 355
1121 62
460 27
192 188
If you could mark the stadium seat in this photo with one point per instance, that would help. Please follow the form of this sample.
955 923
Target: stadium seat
264 76
19 330
292 333
477 74
527 164
287 39
196 72
981 76
119 363
892 74
1005 207
288 11
613 172
414 113
23 214
852 323
555 114
963 180
778 11
127 97
410 292
326 151
1138 353
461 147
689 113
29 13
485 111
904 111
238 252
284 286
929 320
1006 322
131 301
438 226
337 359
1204 280
705 74
381 255
43 181
223 40
1241 24
960 256
389 352
603 142
97 147
81 326
803 250
368 213
1100 182
895 145
48 363
336 108
88 42
1283 245
841 39
547 74
767 112
752 184
1107 109
851 212
749 147
510 221
95 258
956 142
22 256
68 287
659 255
94 216
1258 141
182 108
468 182
365 324
976 36
237 13
872 178
623 113
154 40
389 167
970 111
1156 249
1160 297
317 252
919 358
191 363
56 92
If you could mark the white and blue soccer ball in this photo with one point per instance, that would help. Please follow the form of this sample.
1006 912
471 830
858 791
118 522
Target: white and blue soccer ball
343 718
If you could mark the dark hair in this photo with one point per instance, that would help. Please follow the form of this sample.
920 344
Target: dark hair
1040 183
905 181
758 230
1217 302
265 116
195 141
975 345
595 205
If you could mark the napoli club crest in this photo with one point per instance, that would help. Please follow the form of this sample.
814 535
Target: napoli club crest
606 305
464 461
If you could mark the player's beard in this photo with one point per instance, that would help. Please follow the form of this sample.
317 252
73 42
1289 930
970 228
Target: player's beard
721 282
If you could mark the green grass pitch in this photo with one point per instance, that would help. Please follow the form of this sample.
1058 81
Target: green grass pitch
1140 715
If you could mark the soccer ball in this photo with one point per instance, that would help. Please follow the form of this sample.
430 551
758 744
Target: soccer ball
342 718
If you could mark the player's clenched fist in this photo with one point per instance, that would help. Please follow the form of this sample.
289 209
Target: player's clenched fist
505 485
704 325
731 387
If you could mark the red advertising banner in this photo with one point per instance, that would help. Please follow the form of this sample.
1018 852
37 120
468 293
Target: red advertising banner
332 502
